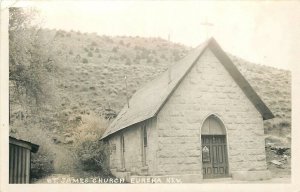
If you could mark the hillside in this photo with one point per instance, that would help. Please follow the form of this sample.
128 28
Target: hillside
89 80
91 71
99 85
274 87
95 66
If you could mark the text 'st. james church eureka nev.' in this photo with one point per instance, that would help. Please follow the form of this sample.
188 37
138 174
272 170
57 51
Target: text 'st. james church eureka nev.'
200 119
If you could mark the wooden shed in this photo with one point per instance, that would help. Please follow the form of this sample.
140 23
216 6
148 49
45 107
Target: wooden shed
20 160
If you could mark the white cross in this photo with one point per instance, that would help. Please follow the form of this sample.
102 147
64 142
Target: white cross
206 24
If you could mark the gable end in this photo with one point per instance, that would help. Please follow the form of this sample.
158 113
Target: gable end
240 80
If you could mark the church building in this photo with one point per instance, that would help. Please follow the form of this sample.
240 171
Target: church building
200 119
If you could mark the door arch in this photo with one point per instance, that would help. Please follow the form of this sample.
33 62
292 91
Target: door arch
214 148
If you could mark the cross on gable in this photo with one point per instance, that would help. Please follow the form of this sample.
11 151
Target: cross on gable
206 25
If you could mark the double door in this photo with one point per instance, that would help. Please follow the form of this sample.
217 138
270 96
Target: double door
214 156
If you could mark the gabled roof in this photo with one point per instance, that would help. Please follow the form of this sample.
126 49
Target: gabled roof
25 144
148 100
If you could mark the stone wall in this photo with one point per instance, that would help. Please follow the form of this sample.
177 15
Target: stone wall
208 89
133 149
152 147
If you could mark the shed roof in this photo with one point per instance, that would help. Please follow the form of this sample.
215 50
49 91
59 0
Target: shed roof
148 100
25 144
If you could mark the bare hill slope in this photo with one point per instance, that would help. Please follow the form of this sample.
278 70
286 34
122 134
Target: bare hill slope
91 71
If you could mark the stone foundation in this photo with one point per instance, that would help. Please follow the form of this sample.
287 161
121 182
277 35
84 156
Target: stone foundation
188 178
191 178
251 175
121 175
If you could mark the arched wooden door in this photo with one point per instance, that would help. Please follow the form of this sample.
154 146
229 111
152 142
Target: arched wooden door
214 148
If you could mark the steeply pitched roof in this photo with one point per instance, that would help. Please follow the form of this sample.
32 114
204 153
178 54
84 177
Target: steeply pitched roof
148 100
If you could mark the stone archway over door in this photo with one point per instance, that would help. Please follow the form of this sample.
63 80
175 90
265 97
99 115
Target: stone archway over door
214 148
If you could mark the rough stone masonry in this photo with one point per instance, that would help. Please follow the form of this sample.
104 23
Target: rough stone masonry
174 133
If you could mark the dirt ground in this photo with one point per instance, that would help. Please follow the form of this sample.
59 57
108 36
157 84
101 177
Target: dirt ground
286 179
278 162
66 179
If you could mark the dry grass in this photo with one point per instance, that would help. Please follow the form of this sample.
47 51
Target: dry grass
85 90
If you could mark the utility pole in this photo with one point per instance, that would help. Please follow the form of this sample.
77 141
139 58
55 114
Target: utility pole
171 59
126 91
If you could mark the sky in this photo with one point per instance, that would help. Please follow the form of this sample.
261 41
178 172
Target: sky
263 32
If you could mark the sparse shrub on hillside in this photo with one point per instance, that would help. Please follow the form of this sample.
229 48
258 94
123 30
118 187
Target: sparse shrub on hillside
145 53
92 48
68 34
60 33
86 49
166 45
128 61
163 56
123 56
113 58
99 56
71 52
285 123
149 59
93 154
84 60
96 50
176 55
136 61
77 58
138 57
128 45
90 54
108 39
94 43
101 82
84 89
121 42
115 49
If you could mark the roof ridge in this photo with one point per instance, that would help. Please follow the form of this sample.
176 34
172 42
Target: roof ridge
158 91
192 55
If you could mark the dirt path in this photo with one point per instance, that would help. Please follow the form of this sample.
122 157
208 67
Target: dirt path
286 179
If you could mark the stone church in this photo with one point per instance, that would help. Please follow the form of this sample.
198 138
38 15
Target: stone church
200 119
